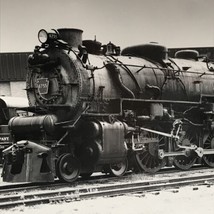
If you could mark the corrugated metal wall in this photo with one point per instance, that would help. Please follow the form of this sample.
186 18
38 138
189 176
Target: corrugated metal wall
13 66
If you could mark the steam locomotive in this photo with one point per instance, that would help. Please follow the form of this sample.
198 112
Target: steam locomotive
98 109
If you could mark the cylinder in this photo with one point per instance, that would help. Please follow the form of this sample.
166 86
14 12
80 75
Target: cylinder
71 35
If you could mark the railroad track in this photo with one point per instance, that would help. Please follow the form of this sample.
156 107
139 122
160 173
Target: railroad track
99 179
26 187
71 194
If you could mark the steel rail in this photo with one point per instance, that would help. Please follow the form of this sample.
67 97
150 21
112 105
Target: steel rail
98 179
55 196
26 187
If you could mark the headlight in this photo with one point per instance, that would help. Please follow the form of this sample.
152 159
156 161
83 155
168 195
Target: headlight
43 36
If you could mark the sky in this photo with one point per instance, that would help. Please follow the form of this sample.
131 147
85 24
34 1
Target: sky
173 23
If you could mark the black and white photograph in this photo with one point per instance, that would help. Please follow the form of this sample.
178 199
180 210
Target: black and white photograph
106 106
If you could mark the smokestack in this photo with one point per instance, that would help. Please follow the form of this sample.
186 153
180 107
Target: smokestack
71 35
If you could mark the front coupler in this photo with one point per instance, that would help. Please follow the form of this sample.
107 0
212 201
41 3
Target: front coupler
27 161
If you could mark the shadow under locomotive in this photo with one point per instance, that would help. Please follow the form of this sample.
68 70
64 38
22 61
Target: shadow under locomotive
96 109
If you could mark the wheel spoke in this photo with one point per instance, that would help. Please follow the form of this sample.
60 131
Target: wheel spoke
153 163
186 162
183 162
144 156
148 159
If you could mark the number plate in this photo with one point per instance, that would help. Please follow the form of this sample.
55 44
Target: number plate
43 85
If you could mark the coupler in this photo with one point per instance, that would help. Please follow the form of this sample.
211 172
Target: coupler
26 161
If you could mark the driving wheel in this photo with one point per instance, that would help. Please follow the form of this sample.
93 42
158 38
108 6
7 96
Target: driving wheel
185 162
148 158
209 144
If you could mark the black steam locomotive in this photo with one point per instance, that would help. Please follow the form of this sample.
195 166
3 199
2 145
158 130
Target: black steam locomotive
99 109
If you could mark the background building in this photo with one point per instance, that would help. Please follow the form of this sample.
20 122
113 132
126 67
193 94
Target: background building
13 67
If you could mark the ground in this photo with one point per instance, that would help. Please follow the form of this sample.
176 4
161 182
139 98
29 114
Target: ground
186 200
